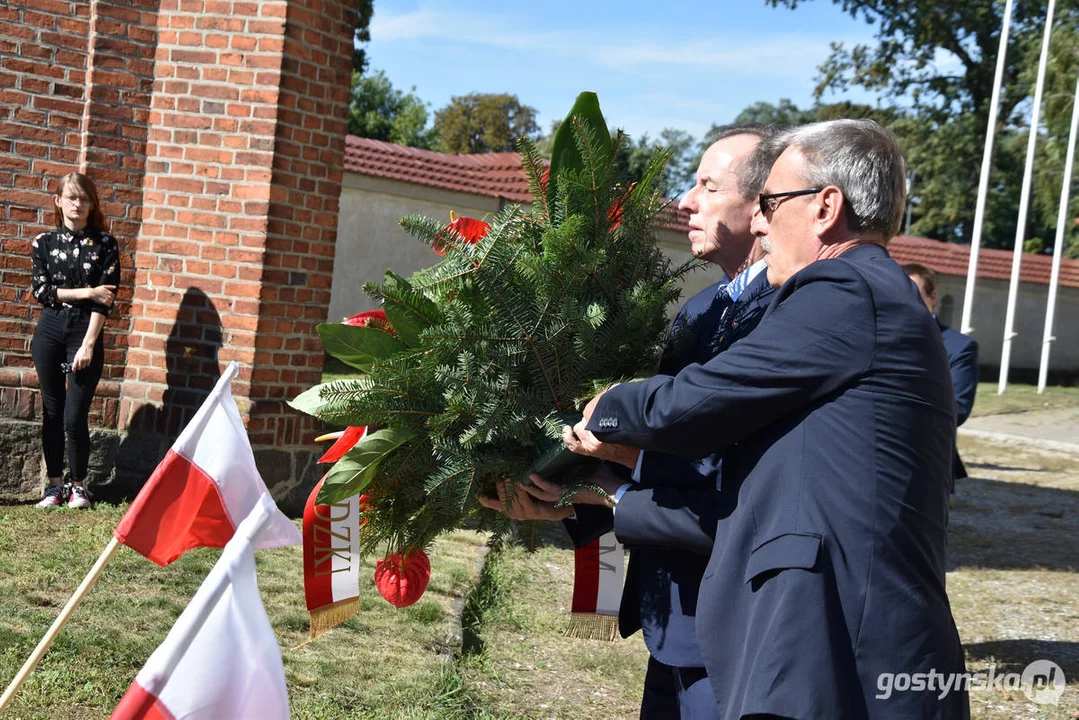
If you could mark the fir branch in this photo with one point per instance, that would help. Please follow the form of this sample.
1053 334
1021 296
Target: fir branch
535 168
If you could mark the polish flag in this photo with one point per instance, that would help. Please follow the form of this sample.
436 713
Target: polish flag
206 484
221 658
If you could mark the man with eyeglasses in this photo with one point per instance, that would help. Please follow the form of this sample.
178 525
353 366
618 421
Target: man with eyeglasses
835 421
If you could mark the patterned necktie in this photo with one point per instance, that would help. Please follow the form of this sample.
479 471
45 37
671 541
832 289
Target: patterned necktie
710 337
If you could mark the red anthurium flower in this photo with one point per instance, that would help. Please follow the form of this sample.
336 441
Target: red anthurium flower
402 579
346 439
614 214
468 228
366 318
365 505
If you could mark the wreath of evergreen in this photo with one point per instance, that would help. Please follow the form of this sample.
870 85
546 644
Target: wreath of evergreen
490 352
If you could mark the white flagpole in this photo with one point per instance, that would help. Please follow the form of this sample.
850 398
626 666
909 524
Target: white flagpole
1024 204
983 182
1058 248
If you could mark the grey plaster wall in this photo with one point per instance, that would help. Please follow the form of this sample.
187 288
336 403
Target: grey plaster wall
987 318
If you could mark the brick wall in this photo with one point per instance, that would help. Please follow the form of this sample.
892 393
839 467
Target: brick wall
199 264
43 61
302 214
215 131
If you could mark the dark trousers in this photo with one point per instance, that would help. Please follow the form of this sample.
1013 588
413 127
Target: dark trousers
674 692
65 399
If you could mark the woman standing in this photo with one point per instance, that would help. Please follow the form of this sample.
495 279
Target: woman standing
76 269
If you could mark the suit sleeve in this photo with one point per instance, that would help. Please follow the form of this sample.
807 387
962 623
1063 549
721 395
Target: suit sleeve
670 518
965 381
816 338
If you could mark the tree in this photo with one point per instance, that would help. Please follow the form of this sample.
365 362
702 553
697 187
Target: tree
786 113
632 159
1059 94
380 111
361 35
484 123
939 57
545 143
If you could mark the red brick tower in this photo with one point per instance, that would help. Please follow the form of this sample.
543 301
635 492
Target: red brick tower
215 132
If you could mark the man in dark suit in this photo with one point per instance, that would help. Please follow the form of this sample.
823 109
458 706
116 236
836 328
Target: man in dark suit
661 587
962 356
835 422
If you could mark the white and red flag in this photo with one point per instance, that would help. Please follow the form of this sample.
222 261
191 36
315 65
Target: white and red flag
206 484
331 561
598 575
221 658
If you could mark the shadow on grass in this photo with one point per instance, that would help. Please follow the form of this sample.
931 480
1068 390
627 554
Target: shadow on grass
1015 655
1004 468
1012 526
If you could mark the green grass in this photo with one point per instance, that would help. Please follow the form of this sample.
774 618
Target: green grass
1022 398
383 663
522 664
1013 584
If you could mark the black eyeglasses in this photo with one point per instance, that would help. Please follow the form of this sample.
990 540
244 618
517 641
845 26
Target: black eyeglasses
769 204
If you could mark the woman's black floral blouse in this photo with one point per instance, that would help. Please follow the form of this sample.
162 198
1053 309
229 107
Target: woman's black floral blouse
67 259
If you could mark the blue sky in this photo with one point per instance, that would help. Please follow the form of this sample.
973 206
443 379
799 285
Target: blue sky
654 64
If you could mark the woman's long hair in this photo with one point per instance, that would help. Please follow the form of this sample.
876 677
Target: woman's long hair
95 222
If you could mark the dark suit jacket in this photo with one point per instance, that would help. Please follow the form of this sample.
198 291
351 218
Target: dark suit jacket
835 419
662 584
963 361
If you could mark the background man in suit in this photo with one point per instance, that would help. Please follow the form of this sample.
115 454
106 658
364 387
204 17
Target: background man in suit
834 419
661 586
962 356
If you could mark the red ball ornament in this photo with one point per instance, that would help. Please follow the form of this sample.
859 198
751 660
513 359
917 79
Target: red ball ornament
402 579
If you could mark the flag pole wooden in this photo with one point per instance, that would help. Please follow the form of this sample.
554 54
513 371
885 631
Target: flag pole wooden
61 620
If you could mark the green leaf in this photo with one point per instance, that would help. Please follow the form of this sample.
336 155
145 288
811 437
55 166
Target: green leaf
410 312
358 346
565 155
352 473
309 401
